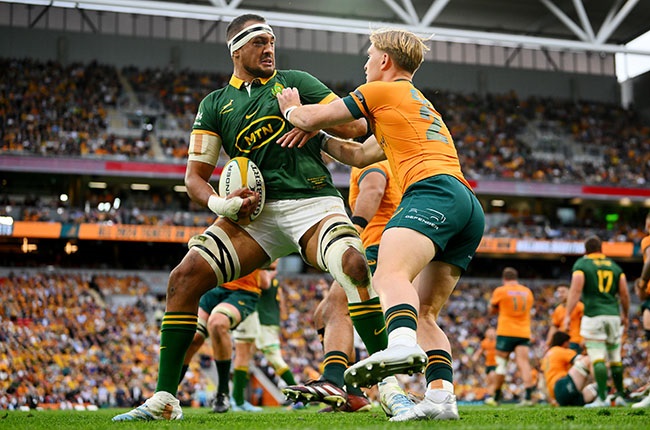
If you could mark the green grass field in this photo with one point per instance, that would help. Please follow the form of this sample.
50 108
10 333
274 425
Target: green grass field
472 417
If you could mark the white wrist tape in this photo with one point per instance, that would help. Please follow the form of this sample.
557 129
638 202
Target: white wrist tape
287 112
225 207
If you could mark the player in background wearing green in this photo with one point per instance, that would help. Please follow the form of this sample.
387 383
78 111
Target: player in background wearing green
261 330
603 287
304 212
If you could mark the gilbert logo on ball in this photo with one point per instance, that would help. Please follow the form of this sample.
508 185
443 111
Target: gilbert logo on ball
241 172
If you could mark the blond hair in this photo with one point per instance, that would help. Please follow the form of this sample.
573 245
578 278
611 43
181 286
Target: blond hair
405 48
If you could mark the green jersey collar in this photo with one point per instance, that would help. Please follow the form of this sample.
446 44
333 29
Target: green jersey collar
239 84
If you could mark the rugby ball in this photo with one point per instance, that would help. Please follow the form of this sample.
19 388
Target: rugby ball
238 173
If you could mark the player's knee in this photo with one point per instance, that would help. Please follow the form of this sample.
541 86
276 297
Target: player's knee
502 366
340 252
355 266
220 322
582 366
614 356
177 277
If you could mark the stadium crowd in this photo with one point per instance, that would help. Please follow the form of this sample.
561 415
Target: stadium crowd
70 340
51 109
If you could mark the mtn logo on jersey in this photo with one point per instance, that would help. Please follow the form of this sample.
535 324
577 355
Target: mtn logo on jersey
259 132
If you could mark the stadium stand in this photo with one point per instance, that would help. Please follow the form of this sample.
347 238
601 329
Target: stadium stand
88 337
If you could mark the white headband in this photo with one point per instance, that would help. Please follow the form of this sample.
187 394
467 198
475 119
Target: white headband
243 37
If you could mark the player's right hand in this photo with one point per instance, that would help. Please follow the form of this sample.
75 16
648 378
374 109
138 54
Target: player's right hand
249 199
296 138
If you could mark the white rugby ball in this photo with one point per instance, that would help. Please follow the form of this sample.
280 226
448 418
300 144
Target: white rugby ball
240 172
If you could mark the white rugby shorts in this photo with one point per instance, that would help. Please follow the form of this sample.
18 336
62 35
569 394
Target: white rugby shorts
606 328
282 223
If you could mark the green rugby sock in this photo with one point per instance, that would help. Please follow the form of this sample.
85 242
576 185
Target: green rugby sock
287 376
239 383
335 363
183 372
439 366
368 319
401 316
176 334
600 374
617 376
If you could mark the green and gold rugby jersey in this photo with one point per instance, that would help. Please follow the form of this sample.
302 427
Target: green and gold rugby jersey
600 291
246 121
268 306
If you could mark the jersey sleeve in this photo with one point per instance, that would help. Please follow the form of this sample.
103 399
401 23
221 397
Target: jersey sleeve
205 141
370 169
206 115
569 355
357 102
364 99
496 297
645 243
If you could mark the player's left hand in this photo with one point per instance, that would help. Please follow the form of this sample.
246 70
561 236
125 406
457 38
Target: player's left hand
296 138
287 98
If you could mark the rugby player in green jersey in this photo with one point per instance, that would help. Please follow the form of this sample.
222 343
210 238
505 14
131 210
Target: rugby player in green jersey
304 213
603 287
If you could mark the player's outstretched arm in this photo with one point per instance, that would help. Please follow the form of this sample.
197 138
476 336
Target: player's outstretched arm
353 153
312 117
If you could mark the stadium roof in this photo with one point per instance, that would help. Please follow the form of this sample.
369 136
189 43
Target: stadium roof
580 25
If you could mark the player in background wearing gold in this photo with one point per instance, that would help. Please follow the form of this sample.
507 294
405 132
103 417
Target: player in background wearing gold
566 373
488 348
373 197
557 319
603 287
435 231
512 302
642 288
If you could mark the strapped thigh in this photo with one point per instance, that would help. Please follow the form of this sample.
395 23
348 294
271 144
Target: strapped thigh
215 246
